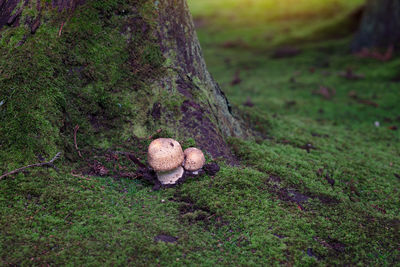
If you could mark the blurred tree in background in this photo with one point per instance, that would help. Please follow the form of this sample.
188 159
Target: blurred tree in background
380 25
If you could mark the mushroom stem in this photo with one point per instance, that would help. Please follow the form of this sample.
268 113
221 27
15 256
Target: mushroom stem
170 177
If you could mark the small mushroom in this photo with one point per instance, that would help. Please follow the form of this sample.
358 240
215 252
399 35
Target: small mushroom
194 159
165 156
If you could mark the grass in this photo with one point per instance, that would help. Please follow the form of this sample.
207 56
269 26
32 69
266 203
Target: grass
336 205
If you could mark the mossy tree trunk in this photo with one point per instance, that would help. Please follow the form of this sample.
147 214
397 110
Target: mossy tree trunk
117 68
380 25
206 113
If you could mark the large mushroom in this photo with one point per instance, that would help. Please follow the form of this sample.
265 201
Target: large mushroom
194 159
165 156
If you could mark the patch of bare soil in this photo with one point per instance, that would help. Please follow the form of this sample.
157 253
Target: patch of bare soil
294 195
165 238
286 52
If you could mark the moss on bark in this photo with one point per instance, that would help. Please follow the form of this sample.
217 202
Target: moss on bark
116 68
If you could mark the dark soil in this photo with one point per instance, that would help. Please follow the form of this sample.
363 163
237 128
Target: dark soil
285 52
165 238
295 195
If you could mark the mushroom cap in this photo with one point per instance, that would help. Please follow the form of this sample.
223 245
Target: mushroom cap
164 154
194 159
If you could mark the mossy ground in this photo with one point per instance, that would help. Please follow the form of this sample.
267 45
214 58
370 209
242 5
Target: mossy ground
336 205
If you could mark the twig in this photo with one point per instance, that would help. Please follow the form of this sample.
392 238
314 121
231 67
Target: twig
209 217
128 175
41 164
76 144
69 214
157 132
81 176
323 242
59 32
135 160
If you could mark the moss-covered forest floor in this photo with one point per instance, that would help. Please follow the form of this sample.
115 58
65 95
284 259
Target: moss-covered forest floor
319 185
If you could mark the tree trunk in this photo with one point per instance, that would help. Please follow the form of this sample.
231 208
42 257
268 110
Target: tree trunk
380 25
117 68
206 113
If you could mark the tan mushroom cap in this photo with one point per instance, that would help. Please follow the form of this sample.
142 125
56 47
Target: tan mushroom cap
194 159
164 154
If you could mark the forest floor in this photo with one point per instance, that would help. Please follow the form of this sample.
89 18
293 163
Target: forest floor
318 186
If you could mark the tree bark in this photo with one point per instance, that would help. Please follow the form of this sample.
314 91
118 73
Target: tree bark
10 12
380 25
207 117
203 112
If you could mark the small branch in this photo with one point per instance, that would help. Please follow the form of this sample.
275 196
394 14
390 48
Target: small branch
135 160
76 144
128 175
69 214
81 176
41 164
14 17
59 32
157 132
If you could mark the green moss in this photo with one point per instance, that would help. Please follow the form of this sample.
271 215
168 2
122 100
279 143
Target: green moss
278 207
87 70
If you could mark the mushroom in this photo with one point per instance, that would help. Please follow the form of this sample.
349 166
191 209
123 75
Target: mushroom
194 159
165 156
